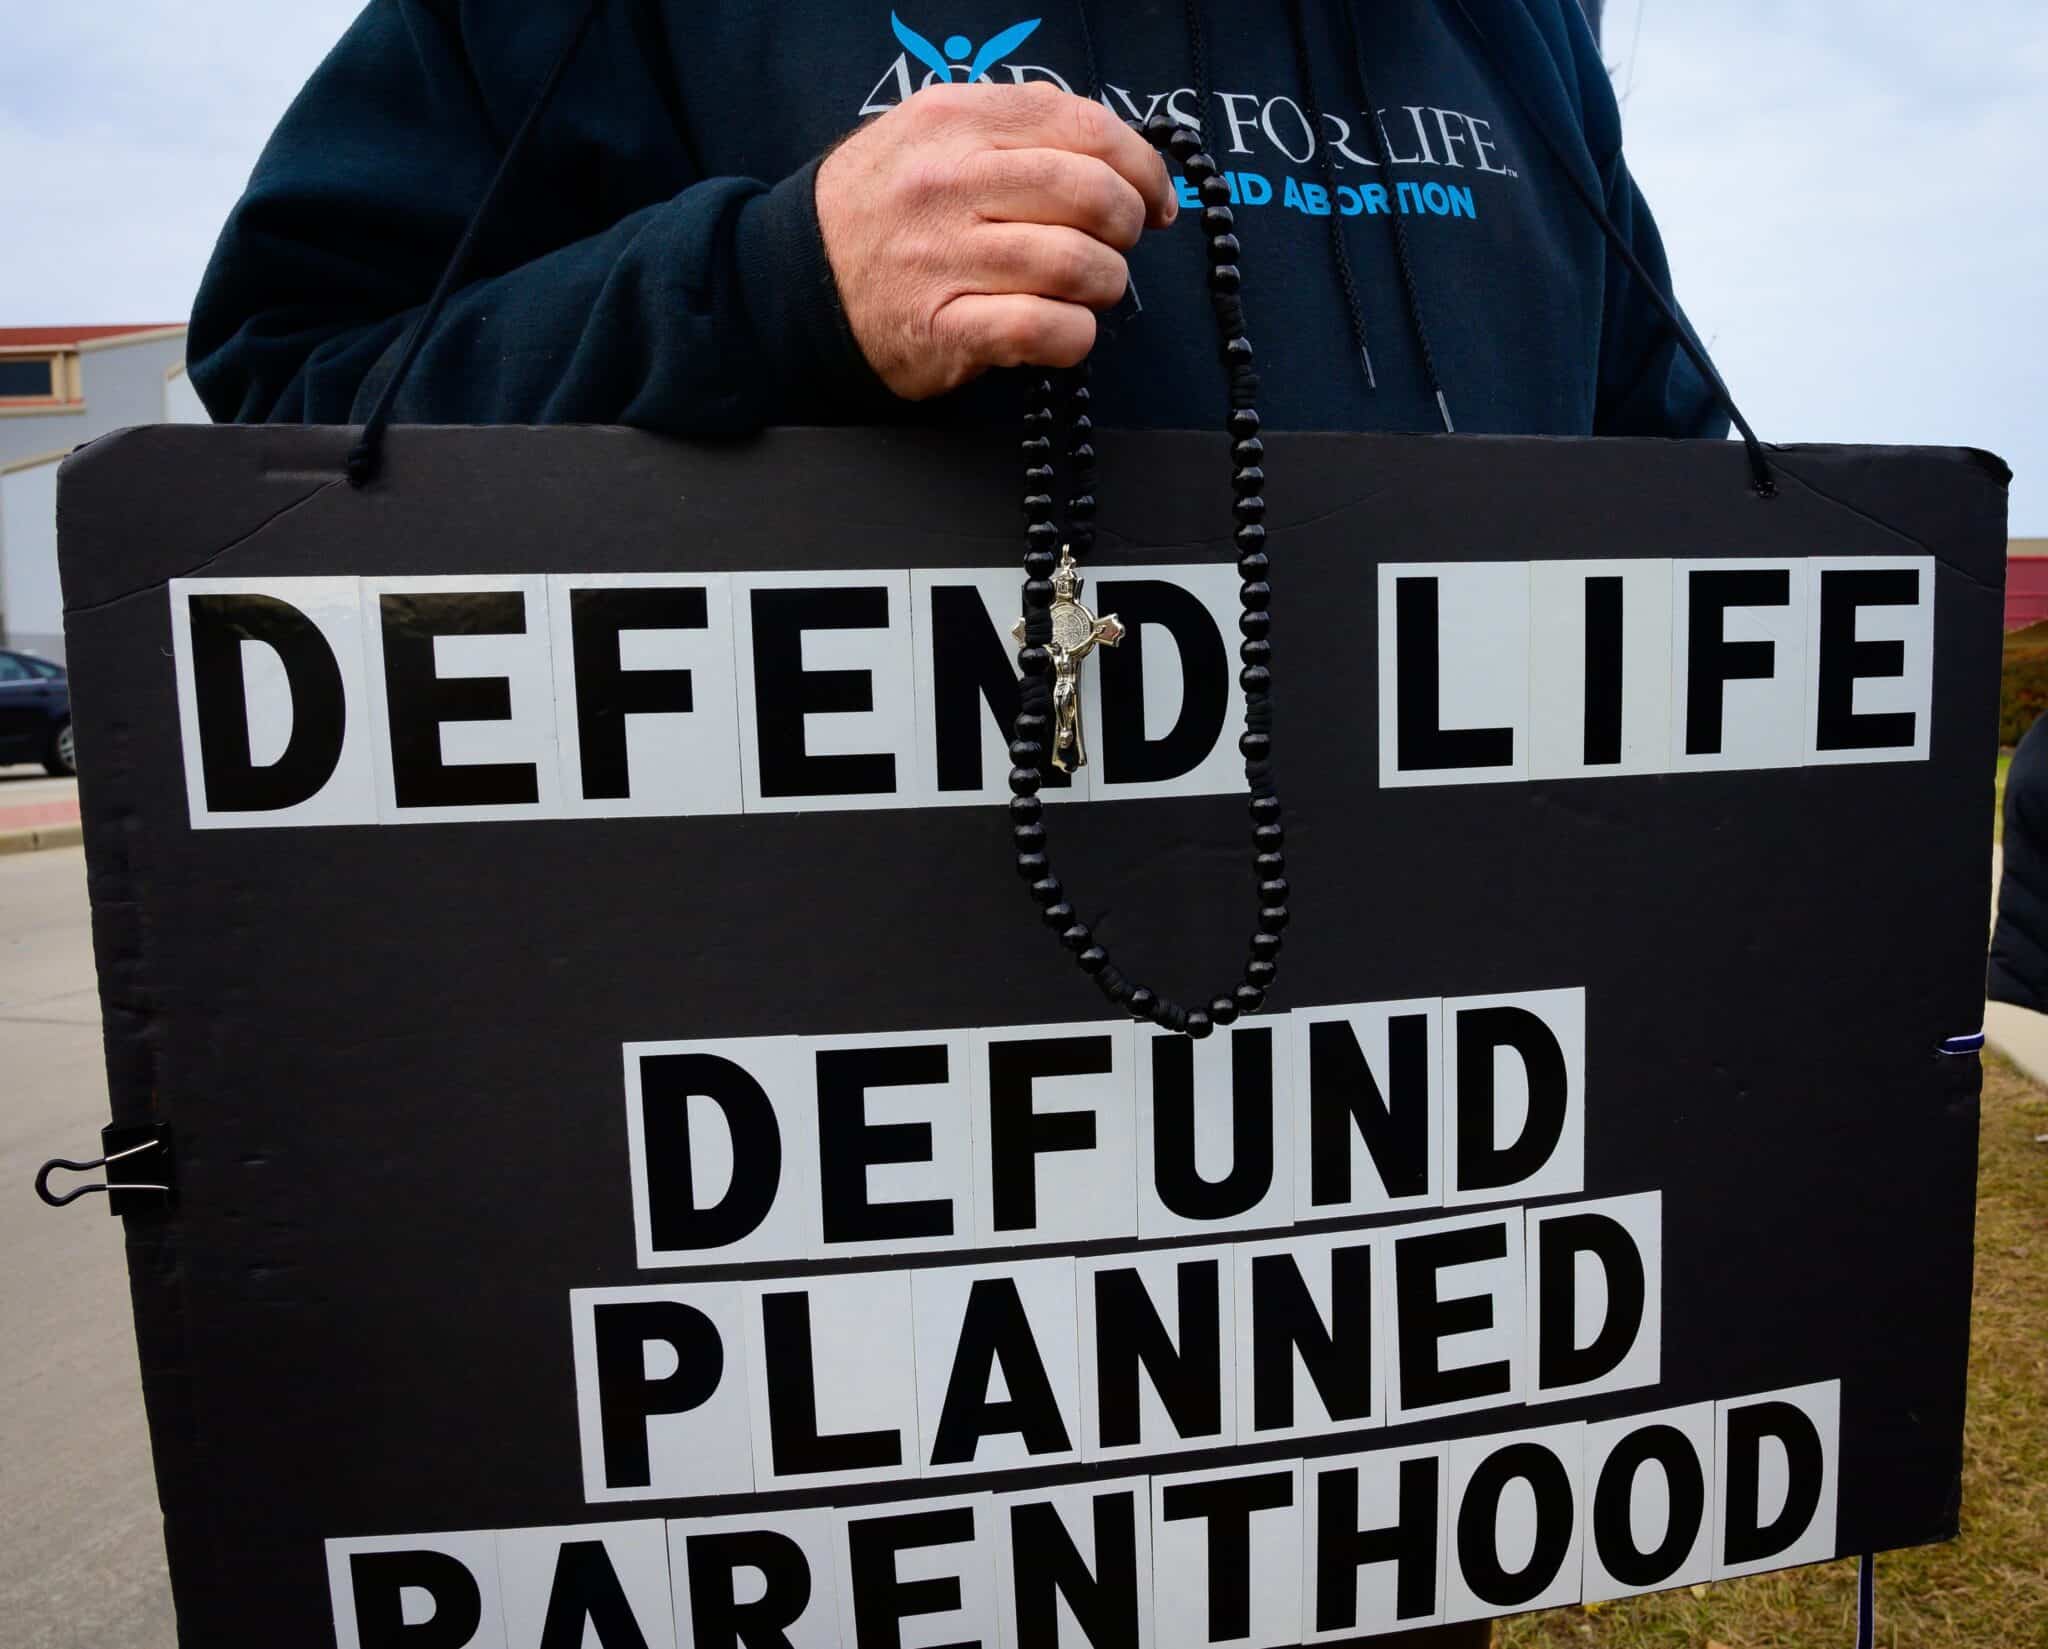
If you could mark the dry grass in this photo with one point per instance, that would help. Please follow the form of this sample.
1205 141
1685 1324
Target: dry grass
1988 1590
1998 797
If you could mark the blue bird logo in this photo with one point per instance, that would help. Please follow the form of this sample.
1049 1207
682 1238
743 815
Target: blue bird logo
959 51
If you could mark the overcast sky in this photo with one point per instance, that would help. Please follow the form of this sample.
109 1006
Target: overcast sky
1850 191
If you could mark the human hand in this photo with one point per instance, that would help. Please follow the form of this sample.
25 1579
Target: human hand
980 226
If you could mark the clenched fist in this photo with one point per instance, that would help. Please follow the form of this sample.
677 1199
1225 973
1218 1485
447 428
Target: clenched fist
981 226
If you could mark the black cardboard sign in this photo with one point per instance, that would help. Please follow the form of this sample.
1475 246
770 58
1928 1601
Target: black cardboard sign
645 1171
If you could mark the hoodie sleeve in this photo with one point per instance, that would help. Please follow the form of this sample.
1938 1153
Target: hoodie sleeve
712 312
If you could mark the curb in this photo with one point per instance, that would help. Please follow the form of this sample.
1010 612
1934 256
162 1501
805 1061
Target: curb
42 836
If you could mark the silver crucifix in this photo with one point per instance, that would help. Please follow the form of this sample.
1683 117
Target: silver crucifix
1076 632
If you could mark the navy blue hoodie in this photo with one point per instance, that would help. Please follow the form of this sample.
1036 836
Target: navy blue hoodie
658 260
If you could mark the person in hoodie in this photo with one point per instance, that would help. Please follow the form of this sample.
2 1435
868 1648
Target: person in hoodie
2019 940
739 215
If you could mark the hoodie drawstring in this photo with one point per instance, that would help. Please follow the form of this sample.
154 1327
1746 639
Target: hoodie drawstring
1383 152
1339 253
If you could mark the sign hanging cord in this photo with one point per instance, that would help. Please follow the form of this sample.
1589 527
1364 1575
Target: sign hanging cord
366 457
1759 466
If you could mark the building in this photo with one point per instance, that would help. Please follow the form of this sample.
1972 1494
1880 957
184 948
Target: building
60 387
2026 582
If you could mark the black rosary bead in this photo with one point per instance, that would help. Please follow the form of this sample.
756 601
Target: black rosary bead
1199 169
1215 192
1159 128
1032 732
1182 142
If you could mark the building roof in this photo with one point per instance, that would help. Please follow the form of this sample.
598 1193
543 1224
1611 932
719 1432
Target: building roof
58 337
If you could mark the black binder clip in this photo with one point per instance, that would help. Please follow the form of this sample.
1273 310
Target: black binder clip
138 1165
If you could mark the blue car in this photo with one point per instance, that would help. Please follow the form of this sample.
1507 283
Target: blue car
35 713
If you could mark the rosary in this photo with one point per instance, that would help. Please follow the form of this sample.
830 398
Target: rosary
1058 633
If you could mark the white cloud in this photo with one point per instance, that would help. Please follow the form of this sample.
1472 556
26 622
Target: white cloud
1850 191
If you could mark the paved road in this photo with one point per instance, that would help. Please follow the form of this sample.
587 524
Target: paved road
81 1540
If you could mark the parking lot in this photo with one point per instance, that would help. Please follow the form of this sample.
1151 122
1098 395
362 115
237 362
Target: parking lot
81 1540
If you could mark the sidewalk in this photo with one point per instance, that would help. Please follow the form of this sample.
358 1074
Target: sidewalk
26 826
